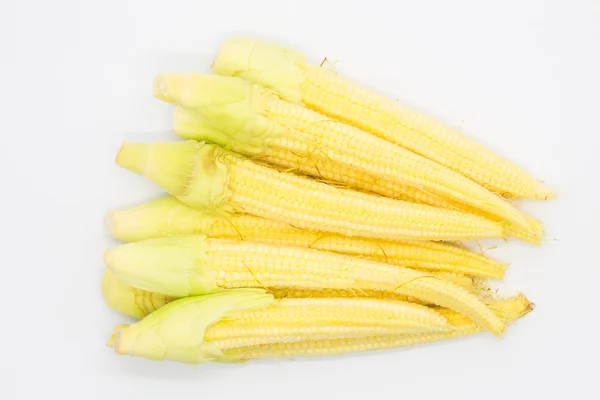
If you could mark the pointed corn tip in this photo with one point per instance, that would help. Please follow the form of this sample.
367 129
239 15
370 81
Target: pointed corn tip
527 306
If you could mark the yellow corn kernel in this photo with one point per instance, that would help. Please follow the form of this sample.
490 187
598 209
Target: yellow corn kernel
336 175
168 216
322 90
286 293
207 176
509 309
194 265
253 121
293 320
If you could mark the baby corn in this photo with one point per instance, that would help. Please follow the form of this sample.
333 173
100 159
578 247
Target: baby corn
249 323
193 265
168 216
207 176
509 309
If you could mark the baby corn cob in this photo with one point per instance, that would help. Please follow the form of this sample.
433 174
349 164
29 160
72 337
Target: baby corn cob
207 176
292 320
509 309
226 326
253 120
168 216
138 303
193 265
187 124
225 321
320 89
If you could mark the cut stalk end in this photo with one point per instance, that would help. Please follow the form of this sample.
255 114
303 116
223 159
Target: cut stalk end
112 341
133 156
168 87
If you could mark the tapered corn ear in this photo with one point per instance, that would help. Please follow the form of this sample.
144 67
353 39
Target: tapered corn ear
270 64
207 176
176 331
510 309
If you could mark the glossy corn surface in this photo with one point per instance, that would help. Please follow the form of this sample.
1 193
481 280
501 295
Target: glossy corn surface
207 176
293 320
509 309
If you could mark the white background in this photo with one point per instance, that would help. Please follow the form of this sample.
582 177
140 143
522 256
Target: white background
76 82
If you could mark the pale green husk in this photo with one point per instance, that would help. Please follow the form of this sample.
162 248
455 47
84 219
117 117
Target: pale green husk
176 331
175 266
223 110
162 217
134 302
272 65
192 171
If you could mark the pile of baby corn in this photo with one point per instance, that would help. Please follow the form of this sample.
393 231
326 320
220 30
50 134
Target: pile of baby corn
307 215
